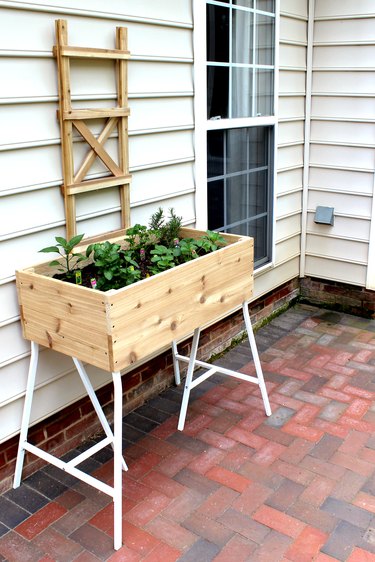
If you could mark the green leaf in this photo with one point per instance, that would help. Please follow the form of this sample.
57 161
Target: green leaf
61 241
54 262
50 249
75 240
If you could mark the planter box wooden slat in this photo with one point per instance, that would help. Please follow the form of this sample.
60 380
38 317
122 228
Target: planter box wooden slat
115 329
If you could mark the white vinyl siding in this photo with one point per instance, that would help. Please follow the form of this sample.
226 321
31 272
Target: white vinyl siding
289 157
161 151
342 143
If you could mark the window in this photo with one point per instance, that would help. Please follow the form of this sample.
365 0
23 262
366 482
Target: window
240 37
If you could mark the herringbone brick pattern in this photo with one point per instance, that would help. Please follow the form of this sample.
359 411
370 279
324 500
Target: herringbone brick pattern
234 485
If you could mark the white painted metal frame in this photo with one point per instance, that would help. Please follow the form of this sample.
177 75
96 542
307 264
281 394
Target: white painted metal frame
193 362
112 438
115 438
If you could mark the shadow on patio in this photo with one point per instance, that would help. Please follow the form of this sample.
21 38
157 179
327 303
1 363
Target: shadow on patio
234 485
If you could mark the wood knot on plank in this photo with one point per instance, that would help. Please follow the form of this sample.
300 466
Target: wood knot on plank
49 338
133 357
202 299
173 325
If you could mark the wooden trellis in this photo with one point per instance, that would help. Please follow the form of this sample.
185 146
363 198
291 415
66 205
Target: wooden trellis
74 181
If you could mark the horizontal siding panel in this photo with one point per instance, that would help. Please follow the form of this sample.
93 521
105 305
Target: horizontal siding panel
30 166
344 132
36 78
334 270
147 150
344 227
359 30
292 82
168 179
9 303
343 8
287 227
52 365
28 123
161 113
342 156
291 132
342 180
169 10
294 30
292 107
183 205
296 7
337 248
28 78
47 205
292 56
288 180
342 108
343 83
153 77
343 203
288 203
39 34
12 342
358 56
289 156
271 279
287 249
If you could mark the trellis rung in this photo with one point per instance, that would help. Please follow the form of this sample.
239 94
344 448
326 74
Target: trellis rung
82 52
92 185
96 113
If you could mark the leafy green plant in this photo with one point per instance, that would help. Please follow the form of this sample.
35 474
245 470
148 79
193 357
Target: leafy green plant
65 249
211 241
162 258
145 251
114 268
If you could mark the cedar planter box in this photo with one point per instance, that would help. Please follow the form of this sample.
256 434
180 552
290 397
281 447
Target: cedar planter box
116 328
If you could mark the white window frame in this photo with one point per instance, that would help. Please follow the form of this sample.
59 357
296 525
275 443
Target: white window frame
202 125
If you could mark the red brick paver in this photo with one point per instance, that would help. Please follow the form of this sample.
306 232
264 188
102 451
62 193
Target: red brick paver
234 485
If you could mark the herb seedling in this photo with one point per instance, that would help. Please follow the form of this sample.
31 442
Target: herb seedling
65 249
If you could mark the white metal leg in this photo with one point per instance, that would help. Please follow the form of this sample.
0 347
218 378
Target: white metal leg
212 369
254 351
114 439
189 378
95 402
117 460
176 365
26 413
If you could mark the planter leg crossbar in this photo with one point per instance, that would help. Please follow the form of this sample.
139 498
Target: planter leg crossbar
193 362
112 438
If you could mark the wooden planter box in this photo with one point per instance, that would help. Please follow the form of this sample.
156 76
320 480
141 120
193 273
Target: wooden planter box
116 328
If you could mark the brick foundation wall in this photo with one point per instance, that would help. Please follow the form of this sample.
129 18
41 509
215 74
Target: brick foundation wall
68 428
345 298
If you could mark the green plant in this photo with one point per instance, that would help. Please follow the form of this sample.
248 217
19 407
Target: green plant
65 249
114 268
162 258
166 232
145 251
211 241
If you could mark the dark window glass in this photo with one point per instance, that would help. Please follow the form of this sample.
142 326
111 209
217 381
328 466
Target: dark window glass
217 91
216 204
215 154
239 193
217 33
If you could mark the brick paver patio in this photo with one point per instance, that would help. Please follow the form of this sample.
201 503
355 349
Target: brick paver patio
234 485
